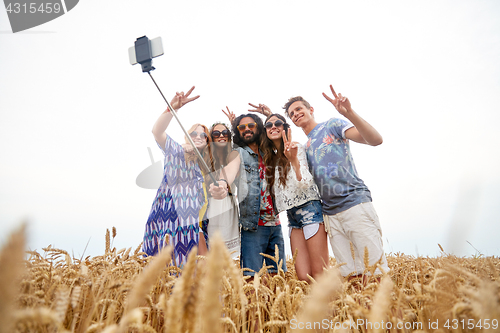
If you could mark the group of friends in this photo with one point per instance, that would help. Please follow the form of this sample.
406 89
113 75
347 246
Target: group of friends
260 172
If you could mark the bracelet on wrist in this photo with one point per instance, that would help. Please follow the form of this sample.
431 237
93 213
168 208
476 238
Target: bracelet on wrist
227 184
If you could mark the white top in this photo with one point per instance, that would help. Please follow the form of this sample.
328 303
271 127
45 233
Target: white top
296 193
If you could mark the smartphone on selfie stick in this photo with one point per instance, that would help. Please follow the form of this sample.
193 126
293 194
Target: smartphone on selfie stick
143 52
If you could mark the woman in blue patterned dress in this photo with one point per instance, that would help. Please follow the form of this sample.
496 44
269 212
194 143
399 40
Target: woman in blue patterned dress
180 202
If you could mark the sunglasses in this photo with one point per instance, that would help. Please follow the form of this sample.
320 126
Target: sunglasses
202 135
277 123
242 127
217 134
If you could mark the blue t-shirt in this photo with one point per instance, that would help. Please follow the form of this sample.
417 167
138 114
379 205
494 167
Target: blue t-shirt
331 164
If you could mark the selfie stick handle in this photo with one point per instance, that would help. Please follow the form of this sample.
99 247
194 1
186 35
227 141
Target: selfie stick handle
185 132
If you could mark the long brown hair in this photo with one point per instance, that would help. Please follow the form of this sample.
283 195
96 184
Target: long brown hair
221 156
275 157
206 152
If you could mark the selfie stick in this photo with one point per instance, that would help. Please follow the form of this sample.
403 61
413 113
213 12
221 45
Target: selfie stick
144 57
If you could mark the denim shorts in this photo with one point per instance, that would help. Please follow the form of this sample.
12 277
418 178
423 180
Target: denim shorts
308 213
263 240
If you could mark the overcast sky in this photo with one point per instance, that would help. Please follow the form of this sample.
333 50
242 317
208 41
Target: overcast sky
76 117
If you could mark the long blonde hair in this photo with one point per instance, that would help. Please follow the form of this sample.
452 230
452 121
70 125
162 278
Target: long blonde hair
206 152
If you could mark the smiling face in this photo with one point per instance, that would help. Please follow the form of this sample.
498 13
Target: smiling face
274 132
248 130
221 135
199 137
300 114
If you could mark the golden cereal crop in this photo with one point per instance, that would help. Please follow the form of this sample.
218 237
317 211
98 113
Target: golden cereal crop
123 291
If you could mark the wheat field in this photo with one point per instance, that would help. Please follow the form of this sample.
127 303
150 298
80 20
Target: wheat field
122 291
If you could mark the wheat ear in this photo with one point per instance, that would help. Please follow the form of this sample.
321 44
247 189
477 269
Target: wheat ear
315 308
144 283
11 269
177 302
381 303
211 305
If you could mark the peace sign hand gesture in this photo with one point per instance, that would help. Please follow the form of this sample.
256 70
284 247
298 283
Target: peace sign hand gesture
261 108
180 99
290 148
341 103
230 115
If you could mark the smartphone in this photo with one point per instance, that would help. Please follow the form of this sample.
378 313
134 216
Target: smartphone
156 50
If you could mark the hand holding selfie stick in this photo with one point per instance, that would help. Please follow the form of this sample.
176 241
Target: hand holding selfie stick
143 53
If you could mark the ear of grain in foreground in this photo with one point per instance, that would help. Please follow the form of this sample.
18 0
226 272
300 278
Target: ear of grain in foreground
123 291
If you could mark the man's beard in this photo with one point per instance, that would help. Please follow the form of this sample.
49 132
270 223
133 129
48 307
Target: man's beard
252 139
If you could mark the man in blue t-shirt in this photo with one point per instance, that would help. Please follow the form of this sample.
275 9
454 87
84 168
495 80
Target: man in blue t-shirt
350 219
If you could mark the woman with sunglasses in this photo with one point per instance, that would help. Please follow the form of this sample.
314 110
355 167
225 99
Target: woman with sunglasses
294 190
222 215
260 224
180 202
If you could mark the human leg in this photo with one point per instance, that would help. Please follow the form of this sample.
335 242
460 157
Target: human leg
317 248
202 246
312 256
275 240
203 243
341 246
302 261
263 240
311 217
252 244
309 238
363 229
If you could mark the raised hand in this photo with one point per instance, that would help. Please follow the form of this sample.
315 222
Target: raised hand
261 108
290 147
180 99
341 103
230 115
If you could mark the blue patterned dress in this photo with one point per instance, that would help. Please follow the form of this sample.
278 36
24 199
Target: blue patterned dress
174 216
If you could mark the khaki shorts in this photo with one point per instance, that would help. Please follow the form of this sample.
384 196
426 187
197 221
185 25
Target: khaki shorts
360 226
